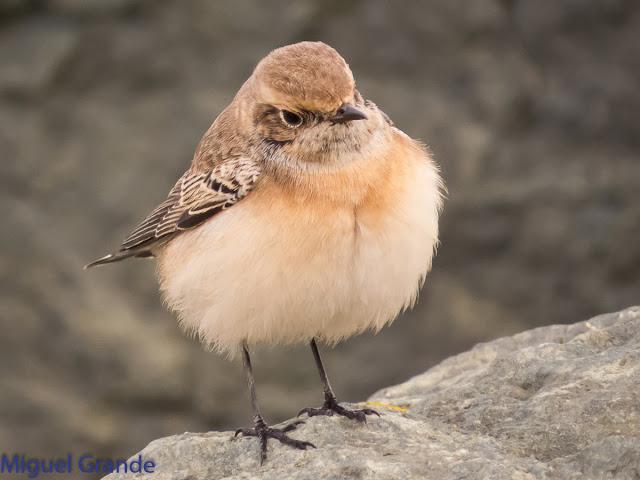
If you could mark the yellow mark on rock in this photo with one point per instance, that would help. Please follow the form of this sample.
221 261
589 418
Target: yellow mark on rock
388 406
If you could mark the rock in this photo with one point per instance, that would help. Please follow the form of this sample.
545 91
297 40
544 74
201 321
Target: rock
557 402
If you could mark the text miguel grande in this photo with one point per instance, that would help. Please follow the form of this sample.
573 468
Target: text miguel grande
33 467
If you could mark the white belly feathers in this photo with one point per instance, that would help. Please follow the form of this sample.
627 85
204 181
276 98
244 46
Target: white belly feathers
279 269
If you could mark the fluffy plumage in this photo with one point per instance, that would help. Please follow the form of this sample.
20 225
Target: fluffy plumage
279 233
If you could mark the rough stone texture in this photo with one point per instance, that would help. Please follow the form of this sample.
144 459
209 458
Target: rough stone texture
532 108
558 402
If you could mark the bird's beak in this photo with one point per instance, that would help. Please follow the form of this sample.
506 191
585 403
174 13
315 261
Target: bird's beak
347 113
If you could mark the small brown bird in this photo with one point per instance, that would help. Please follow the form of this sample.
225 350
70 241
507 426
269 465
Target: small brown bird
305 216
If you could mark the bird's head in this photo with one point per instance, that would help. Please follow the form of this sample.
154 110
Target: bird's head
301 107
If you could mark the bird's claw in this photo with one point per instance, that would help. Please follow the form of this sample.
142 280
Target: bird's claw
293 425
332 407
264 433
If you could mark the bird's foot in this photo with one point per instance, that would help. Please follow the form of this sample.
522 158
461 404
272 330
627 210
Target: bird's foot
265 432
332 407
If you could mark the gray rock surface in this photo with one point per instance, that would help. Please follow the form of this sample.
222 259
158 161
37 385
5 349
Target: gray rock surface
557 402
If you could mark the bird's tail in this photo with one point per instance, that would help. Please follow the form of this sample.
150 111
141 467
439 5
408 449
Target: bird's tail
120 255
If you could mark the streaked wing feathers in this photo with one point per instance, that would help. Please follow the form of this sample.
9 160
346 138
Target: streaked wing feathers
194 198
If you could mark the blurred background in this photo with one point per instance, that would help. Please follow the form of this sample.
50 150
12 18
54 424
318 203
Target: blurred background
531 108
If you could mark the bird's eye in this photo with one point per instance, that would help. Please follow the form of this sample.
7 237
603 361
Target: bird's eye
290 119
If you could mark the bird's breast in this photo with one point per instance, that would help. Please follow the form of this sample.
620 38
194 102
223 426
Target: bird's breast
285 265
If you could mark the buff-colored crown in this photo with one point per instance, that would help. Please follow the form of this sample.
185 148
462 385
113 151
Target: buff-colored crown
307 75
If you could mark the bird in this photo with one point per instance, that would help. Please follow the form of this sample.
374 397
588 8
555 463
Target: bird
306 216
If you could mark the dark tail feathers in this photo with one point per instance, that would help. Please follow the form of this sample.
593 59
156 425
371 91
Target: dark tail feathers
121 255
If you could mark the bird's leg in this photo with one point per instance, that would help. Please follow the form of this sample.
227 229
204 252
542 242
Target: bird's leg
331 405
260 428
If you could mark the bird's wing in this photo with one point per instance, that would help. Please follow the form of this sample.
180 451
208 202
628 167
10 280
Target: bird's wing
197 196
194 198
